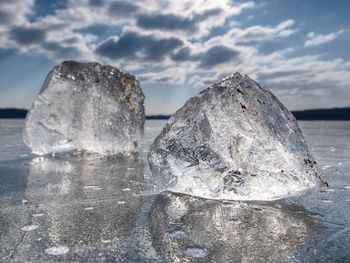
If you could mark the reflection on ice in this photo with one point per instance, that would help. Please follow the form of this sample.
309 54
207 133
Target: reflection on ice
89 208
74 178
81 196
185 227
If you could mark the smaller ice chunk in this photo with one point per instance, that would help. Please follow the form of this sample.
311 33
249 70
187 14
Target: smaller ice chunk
86 107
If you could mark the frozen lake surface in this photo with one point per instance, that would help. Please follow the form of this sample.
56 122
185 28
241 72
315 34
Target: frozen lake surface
98 209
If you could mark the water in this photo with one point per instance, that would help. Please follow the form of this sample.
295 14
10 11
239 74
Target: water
93 208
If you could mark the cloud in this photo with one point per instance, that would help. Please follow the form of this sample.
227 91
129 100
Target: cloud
5 17
13 13
96 3
174 22
15 10
199 17
217 55
184 20
208 58
204 80
319 39
183 54
134 46
26 36
165 22
189 42
122 9
269 75
171 76
58 50
260 33
285 24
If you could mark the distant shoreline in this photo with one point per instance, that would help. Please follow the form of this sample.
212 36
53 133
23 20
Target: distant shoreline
335 114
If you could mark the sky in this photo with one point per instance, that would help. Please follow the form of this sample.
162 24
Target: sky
298 49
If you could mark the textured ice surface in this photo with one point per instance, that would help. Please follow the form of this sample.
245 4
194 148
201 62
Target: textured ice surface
234 140
137 231
86 106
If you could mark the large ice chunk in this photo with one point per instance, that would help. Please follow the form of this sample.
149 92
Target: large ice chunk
234 140
86 107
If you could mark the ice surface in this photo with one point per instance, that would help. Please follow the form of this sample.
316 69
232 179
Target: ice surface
299 228
234 140
86 107
75 213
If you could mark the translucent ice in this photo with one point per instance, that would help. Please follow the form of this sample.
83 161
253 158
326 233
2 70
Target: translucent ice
234 140
86 107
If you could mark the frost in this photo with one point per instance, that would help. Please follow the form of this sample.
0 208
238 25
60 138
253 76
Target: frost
29 228
234 140
86 107
57 251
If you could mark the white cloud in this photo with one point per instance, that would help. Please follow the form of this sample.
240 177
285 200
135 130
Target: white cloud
11 15
262 33
171 75
319 39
